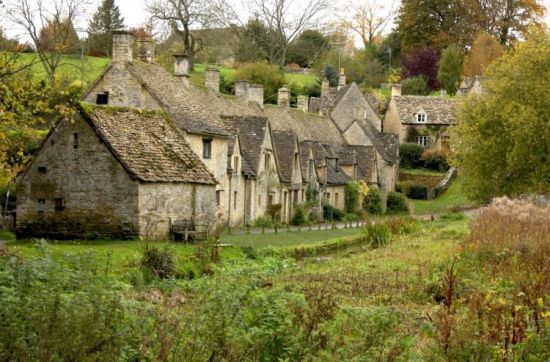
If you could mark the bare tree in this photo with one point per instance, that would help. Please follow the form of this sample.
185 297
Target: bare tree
58 16
287 19
368 18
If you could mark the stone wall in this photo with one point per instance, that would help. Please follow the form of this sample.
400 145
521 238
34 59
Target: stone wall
95 196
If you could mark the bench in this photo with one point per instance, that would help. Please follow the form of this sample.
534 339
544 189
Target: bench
186 230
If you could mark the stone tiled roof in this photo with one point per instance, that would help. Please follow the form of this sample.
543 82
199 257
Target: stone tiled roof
385 143
439 110
366 162
319 154
346 156
336 177
251 132
306 126
305 147
284 144
148 145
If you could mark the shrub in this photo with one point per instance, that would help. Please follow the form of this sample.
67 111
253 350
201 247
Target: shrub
313 217
376 234
161 263
415 86
265 74
299 217
331 213
372 203
418 192
410 155
351 197
274 211
397 203
403 187
435 160
263 222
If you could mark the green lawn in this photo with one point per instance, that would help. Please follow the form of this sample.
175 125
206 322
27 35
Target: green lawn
452 198
420 171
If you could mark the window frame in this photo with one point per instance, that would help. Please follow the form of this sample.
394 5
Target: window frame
423 140
421 117
207 148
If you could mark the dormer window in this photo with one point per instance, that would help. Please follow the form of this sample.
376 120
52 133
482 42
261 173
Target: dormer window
421 117
296 161
102 98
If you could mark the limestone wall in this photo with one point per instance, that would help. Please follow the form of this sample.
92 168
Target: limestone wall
95 194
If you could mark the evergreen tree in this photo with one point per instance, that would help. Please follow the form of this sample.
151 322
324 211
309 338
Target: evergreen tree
450 69
105 20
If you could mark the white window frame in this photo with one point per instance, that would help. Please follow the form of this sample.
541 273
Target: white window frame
421 117
423 140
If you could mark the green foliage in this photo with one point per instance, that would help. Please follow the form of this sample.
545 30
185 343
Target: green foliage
263 222
307 47
435 160
376 234
105 20
300 217
418 192
503 138
59 36
160 262
410 155
396 203
330 213
372 203
332 74
312 193
351 197
262 73
256 44
450 69
415 86
403 187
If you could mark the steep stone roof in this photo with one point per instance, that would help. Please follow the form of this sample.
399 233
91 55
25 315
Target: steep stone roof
284 144
252 132
336 176
386 144
366 162
346 157
439 110
148 145
305 147
306 126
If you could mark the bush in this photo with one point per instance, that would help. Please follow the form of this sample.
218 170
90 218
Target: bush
351 197
161 263
265 74
376 234
299 217
397 203
415 86
403 187
418 192
372 203
274 211
331 213
263 222
410 155
435 160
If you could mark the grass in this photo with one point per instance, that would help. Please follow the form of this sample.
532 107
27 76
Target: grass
421 172
452 198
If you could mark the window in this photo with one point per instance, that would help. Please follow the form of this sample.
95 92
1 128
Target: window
236 164
310 169
218 197
40 205
75 140
296 161
327 198
423 140
206 148
267 161
42 169
229 163
336 200
235 200
102 98
295 197
270 200
303 195
421 117
59 204
337 165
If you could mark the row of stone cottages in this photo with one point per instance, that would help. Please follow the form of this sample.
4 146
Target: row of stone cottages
147 147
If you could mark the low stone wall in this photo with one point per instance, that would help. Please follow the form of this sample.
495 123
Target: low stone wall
443 185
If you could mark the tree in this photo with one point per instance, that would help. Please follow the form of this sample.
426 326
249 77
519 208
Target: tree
61 38
422 62
502 141
368 19
33 16
265 74
307 48
284 25
105 20
485 50
450 69
254 43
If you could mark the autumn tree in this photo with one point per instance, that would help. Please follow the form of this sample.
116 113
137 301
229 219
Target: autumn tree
502 141
450 69
59 38
485 50
105 20
254 43
422 62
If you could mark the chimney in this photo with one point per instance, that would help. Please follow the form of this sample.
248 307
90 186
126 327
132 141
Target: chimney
123 42
241 89
303 103
342 79
182 68
396 90
212 80
283 98
325 87
256 94
443 93
146 49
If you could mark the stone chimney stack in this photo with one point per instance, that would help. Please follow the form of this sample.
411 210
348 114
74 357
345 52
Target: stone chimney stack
443 93
325 87
182 67
396 90
212 80
256 94
146 49
241 89
303 103
283 97
123 42
342 79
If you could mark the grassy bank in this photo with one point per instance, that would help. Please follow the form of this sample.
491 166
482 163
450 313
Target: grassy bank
451 199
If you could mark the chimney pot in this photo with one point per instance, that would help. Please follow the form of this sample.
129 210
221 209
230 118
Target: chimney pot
256 94
325 87
396 90
283 98
212 80
443 93
342 79
146 49
241 89
302 103
123 42
182 68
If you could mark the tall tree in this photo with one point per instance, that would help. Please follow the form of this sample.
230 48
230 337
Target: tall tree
61 38
450 69
105 20
308 47
368 19
254 43
32 16
502 141
422 62
486 49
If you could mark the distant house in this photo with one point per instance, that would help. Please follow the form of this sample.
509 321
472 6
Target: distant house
472 85
111 172
424 120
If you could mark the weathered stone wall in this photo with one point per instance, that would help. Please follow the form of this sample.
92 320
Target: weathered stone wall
355 136
235 194
161 202
98 196
353 106
392 123
336 198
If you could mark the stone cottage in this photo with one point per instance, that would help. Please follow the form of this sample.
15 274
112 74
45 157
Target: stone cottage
111 172
472 85
424 120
